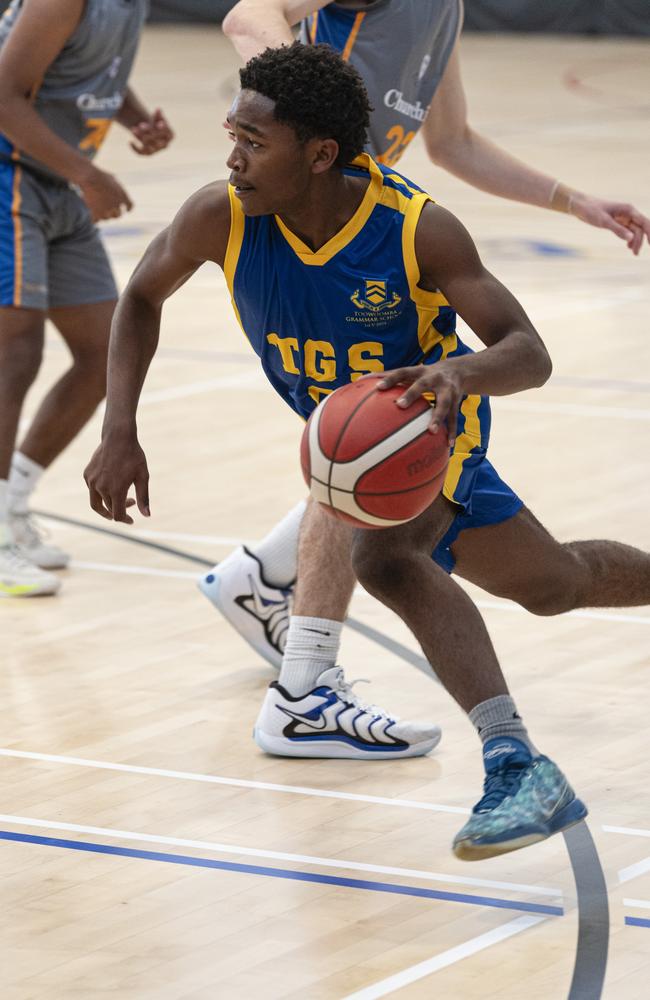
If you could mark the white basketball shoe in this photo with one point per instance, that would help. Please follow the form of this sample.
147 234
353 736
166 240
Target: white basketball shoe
31 540
330 721
21 578
255 609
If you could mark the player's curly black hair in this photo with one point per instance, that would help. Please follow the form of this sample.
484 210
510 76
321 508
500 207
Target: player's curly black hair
315 93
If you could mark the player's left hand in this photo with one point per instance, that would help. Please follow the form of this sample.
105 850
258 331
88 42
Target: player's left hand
151 135
437 380
620 217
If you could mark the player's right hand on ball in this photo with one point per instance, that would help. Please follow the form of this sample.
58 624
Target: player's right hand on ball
117 464
440 381
104 195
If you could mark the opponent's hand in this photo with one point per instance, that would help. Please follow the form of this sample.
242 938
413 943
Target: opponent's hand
118 463
619 217
151 135
442 382
104 195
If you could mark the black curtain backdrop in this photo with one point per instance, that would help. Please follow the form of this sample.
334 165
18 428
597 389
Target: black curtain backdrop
597 17
591 17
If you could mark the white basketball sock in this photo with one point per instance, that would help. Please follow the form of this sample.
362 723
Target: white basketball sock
312 646
278 551
23 478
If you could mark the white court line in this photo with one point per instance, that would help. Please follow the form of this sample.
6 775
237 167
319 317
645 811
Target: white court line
629 831
212 779
598 616
634 871
255 852
242 380
445 959
255 381
177 574
641 904
568 409
640 867
267 786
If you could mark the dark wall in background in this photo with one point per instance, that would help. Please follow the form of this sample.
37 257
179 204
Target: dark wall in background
191 10
599 17
593 17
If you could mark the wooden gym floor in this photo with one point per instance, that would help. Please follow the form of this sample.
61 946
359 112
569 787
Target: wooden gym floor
150 851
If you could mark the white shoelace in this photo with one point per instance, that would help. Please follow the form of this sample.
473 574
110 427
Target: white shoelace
15 559
344 688
27 530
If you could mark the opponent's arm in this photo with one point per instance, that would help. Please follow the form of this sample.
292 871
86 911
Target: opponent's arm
455 146
254 25
40 32
151 131
198 233
515 357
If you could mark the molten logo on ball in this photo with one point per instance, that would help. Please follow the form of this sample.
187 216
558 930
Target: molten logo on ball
370 462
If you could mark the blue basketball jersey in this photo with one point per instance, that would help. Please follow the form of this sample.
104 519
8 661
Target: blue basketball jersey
320 319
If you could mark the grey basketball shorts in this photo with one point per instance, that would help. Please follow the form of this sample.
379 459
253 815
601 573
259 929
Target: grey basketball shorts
51 253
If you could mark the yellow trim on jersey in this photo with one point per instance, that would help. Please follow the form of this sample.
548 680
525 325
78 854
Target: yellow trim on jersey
18 237
470 438
313 28
397 179
352 37
352 227
427 303
233 249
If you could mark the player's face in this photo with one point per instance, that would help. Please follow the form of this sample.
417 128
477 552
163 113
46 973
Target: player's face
269 167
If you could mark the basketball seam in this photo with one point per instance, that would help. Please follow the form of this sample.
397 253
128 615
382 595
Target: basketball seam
338 441
370 493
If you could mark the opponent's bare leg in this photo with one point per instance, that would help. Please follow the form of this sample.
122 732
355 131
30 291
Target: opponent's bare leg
519 559
21 349
71 402
65 410
21 352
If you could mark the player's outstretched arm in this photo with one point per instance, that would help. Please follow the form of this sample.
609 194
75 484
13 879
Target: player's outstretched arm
254 25
515 357
198 233
454 145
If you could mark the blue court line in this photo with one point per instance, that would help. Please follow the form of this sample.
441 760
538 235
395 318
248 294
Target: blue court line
286 873
637 922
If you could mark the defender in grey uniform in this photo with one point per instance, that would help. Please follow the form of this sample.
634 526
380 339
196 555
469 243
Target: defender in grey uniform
407 53
64 72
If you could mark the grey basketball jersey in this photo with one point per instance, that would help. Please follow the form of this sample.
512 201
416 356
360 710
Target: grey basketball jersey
84 87
401 49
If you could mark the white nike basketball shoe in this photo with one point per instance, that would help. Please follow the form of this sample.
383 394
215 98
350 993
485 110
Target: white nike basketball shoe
257 610
330 721
32 542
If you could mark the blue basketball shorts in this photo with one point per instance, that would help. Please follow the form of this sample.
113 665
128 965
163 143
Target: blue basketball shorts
491 501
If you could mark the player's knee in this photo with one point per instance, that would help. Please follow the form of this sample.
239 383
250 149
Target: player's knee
19 364
90 364
548 596
378 570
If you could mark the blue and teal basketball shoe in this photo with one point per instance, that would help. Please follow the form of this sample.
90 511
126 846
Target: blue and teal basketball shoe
526 799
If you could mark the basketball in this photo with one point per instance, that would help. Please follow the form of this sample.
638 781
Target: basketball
370 462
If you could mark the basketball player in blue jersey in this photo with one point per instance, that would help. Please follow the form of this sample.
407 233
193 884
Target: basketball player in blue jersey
64 71
407 54
307 224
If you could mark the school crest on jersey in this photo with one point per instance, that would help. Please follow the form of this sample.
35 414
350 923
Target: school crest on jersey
376 297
